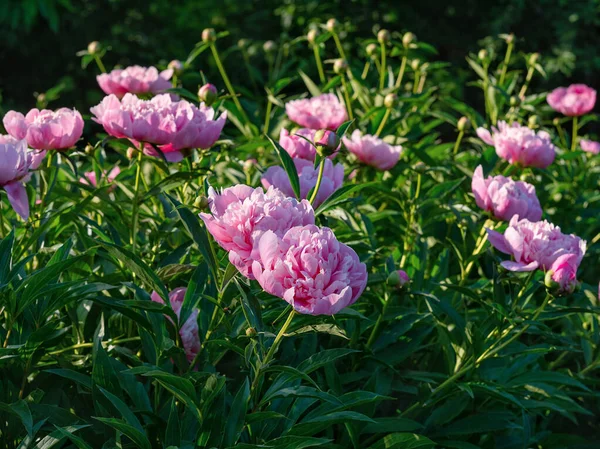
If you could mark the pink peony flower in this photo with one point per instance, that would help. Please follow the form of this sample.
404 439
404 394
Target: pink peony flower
520 145
241 214
135 80
89 177
564 272
505 198
333 178
371 150
299 147
189 330
15 162
322 112
310 270
575 100
45 129
172 125
590 146
536 245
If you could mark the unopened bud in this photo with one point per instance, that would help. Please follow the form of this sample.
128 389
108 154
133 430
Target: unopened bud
514 101
483 54
463 124
340 66
332 24
390 101
556 121
509 38
176 65
533 121
414 64
407 39
243 43
41 98
549 282
371 49
249 164
420 167
311 36
209 35
251 332
326 142
533 58
383 37
201 202
269 46
93 47
131 153
208 94
89 149
398 278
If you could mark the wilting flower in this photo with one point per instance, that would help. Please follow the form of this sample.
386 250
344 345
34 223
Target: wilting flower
172 125
135 80
333 178
520 145
241 214
371 150
297 145
15 162
590 146
189 330
575 100
505 198
89 177
310 269
322 112
45 129
536 245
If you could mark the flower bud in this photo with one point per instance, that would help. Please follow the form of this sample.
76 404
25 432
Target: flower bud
41 98
93 47
483 54
251 332
201 202
326 142
398 278
312 35
383 37
533 58
208 94
390 101
533 121
509 38
269 46
549 282
209 35
420 167
463 124
249 164
556 121
89 149
371 49
514 101
407 39
340 66
176 65
332 24
131 153
243 43
414 64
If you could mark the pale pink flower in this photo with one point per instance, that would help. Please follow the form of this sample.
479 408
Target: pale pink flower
297 145
564 272
536 245
189 330
135 80
45 129
172 125
89 177
322 112
575 100
333 178
590 146
505 198
310 269
15 162
371 150
241 214
520 145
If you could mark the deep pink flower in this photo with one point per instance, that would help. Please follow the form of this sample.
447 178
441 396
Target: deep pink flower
89 177
172 125
15 162
322 112
505 198
520 145
189 330
310 269
564 272
241 214
333 178
135 80
590 146
536 245
575 100
45 129
371 150
296 143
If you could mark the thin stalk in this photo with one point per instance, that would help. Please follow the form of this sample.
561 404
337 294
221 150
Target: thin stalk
318 62
457 143
268 116
90 345
375 331
365 70
135 208
228 84
383 70
527 80
386 116
318 184
338 44
99 63
347 97
506 61
401 72
416 82
422 83
483 236
248 68
574 136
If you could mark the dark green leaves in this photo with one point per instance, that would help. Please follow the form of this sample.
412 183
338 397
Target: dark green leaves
288 166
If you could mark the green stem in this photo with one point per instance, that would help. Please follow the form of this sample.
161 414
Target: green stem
338 44
506 61
380 318
135 208
99 63
457 144
401 72
574 136
416 82
319 179
90 345
365 71
527 80
386 116
319 63
383 70
268 116
347 97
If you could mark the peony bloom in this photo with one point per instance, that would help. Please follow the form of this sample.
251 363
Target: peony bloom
189 330
590 146
564 273
135 80
536 245
15 162
310 270
298 146
45 129
172 125
241 214
89 177
520 145
322 112
333 178
505 198
371 150
575 100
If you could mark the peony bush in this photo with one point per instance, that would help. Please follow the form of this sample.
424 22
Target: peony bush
340 253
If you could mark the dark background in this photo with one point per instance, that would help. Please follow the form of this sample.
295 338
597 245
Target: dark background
39 38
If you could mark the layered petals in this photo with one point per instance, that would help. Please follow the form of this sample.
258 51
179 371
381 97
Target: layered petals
373 151
572 101
135 80
321 112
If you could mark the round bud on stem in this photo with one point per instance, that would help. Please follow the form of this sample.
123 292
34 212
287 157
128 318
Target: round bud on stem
371 49
242 43
269 47
390 101
514 101
414 64
533 58
509 38
312 35
131 153
556 121
482 55
463 124
383 37
398 278
89 149
533 121
201 202
208 94
251 332
326 142
407 39
340 66
176 65
420 167
93 47
550 283
209 35
332 25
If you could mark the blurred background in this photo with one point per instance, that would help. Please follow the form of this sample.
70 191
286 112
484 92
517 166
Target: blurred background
39 39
